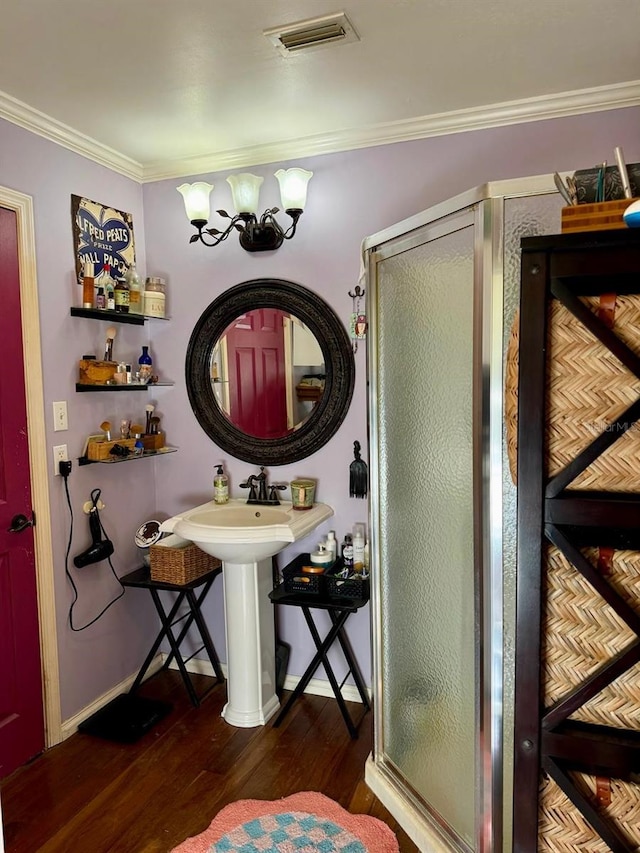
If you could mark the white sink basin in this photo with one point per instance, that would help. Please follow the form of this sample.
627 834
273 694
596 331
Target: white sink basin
238 532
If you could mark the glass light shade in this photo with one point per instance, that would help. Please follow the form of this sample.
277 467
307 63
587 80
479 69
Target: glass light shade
196 199
245 190
293 187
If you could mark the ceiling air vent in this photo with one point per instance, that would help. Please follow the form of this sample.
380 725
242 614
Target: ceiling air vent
314 33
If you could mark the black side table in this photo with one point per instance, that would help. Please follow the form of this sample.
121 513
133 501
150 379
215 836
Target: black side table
141 579
339 611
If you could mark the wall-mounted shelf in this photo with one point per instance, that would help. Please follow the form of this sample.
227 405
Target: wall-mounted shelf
134 386
113 316
111 461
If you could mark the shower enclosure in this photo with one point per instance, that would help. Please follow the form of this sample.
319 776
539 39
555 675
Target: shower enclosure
442 291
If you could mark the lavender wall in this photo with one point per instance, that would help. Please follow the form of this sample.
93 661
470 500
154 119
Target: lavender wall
94 660
351 196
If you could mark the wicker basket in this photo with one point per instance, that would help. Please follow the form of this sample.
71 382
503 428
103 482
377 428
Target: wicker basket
175 560
587 387
97 451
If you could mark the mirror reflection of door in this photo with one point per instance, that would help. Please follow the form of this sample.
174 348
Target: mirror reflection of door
267 372
256 364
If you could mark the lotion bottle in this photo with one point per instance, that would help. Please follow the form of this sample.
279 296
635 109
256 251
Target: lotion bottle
220 487
358 547
332 545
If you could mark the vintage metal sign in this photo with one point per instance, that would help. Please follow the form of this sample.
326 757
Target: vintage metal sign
102 235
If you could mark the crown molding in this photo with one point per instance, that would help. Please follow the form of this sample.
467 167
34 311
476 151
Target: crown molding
597 99
49 128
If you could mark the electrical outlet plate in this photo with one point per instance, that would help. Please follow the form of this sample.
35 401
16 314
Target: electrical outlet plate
59 455
60 421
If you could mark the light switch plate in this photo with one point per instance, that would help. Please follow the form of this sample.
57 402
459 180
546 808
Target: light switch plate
60 421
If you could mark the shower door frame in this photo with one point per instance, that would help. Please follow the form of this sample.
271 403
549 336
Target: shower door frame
483 209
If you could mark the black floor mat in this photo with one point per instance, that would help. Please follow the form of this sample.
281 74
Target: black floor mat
126 718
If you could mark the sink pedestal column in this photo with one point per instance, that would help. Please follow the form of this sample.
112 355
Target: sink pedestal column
251 645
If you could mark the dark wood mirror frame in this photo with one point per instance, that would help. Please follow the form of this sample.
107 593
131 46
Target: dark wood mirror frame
329 411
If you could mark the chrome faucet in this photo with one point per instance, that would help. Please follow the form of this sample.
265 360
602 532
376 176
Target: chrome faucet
260 492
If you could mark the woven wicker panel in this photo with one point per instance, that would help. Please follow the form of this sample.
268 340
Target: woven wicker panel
563 829
581 632
587 387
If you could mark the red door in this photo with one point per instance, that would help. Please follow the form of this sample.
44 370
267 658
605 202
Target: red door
21 707
257 388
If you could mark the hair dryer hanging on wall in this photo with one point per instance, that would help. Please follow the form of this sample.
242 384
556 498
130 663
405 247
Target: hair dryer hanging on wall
100 549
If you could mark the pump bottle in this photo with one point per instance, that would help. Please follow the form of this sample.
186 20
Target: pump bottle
220 487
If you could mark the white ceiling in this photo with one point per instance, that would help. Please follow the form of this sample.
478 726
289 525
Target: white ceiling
159 88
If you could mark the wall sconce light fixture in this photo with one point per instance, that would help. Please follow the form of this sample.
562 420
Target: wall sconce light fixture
256 235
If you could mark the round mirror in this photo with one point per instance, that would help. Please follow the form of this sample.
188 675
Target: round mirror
270 371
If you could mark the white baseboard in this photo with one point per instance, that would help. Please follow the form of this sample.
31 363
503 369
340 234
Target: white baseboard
316 687
70 726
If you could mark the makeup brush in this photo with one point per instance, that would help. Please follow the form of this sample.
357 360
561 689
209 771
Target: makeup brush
108 348
149 410
105 426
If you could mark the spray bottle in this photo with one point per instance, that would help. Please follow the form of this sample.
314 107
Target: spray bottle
220 487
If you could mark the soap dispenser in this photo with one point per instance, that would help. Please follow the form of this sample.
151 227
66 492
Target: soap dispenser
220 487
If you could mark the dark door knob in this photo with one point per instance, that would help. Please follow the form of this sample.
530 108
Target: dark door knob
20 523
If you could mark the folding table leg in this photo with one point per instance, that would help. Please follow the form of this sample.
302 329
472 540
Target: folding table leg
323 646
204 633
308 673
194 607
156 645
166 624
352 664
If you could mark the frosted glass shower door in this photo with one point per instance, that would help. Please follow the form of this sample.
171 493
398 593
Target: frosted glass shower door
423 417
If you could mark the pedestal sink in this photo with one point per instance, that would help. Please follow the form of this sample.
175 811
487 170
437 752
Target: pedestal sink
245 537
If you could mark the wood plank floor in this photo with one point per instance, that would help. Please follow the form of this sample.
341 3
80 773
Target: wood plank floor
89 794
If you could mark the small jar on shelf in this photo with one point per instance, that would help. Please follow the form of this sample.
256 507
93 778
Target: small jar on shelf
154 297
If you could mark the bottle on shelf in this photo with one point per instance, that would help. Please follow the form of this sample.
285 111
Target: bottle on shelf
347 552
358 547
88 291
100 301
109 295
332 545
104 281
136 292
145 364
121 294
